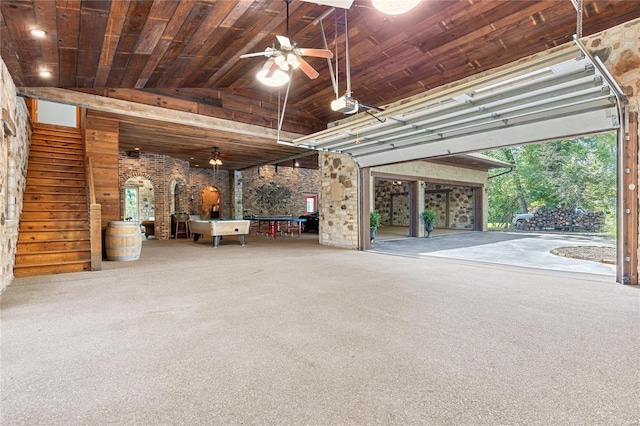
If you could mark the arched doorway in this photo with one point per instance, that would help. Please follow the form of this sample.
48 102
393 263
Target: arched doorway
138 199
211 202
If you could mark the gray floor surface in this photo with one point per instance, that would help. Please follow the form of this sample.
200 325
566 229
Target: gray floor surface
530 250
289 332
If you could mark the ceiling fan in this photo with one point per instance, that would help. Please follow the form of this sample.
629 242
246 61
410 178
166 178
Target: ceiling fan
285 56
216 157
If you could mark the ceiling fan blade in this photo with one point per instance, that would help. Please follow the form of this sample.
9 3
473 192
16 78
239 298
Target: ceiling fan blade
308 69
317 53
251 55
285 43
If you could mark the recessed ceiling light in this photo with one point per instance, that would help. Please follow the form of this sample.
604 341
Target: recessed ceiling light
137 149
45 74
38 33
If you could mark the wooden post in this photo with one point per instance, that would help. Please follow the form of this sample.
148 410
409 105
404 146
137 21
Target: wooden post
364 207
628 271
95 224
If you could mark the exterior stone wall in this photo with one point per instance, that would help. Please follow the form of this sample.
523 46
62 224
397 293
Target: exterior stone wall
338 200
165 173
266 191
392 202
461 197
14 156
461 205
618 49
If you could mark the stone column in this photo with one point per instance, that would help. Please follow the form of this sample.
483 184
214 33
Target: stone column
338 200
236 195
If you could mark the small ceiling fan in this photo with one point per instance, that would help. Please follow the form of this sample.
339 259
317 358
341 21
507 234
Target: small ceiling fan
216 157
285 56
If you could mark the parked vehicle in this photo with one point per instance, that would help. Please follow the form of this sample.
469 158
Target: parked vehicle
522 217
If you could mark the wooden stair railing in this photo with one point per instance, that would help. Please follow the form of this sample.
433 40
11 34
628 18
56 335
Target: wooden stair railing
55 233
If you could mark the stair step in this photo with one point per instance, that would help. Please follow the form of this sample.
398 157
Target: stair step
56 188
54 215
77 244
56 159
31 206
59 159
57 150
44 197
52 257
48 269
78 182
52 225
57 235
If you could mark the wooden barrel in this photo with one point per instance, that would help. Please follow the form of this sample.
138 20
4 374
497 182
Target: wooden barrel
123 240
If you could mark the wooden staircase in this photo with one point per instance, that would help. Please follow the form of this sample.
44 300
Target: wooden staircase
54 235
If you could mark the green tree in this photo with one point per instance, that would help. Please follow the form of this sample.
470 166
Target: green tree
572 173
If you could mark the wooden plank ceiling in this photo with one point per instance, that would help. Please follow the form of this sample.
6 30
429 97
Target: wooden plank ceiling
184 55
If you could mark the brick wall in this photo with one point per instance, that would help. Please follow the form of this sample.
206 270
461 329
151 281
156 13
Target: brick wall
177 187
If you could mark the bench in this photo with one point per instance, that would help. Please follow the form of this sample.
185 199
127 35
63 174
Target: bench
218 228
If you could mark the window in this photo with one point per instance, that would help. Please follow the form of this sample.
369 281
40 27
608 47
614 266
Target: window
310 204
131 204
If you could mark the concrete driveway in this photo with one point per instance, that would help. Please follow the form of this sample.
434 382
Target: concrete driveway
529 250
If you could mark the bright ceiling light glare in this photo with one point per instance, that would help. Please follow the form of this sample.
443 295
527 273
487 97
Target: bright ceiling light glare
270 77
38 33
394 7
45 74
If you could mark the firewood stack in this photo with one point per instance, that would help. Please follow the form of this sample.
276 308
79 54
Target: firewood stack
563 219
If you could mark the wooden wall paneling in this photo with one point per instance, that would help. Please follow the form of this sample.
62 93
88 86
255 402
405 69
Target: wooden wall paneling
101 144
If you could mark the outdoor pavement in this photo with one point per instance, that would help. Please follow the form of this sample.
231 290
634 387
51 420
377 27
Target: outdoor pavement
531 250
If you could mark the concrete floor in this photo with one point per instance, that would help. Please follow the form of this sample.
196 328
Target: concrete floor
289 332
530 250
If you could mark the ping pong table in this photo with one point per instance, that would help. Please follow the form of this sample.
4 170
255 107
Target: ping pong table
273 225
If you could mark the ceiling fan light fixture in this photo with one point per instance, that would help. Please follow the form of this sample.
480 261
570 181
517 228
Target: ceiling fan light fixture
215 162
394 7
293 61
272 78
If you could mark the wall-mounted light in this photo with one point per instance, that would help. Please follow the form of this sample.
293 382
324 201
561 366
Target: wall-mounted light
394 7
38 33
45 74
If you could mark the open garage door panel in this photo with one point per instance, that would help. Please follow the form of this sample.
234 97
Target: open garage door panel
558 94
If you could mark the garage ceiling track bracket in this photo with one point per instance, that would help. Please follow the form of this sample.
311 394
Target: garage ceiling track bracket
555 95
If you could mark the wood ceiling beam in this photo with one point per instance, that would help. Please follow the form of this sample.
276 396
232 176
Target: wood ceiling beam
118 106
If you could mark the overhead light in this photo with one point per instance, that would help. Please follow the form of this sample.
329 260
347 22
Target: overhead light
345 104
45 74
272 77
394 7
38 33
215 162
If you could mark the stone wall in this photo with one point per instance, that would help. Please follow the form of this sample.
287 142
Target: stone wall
338 200
446 178
14 156
618 49
167 173
392 202
267 191
460 214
